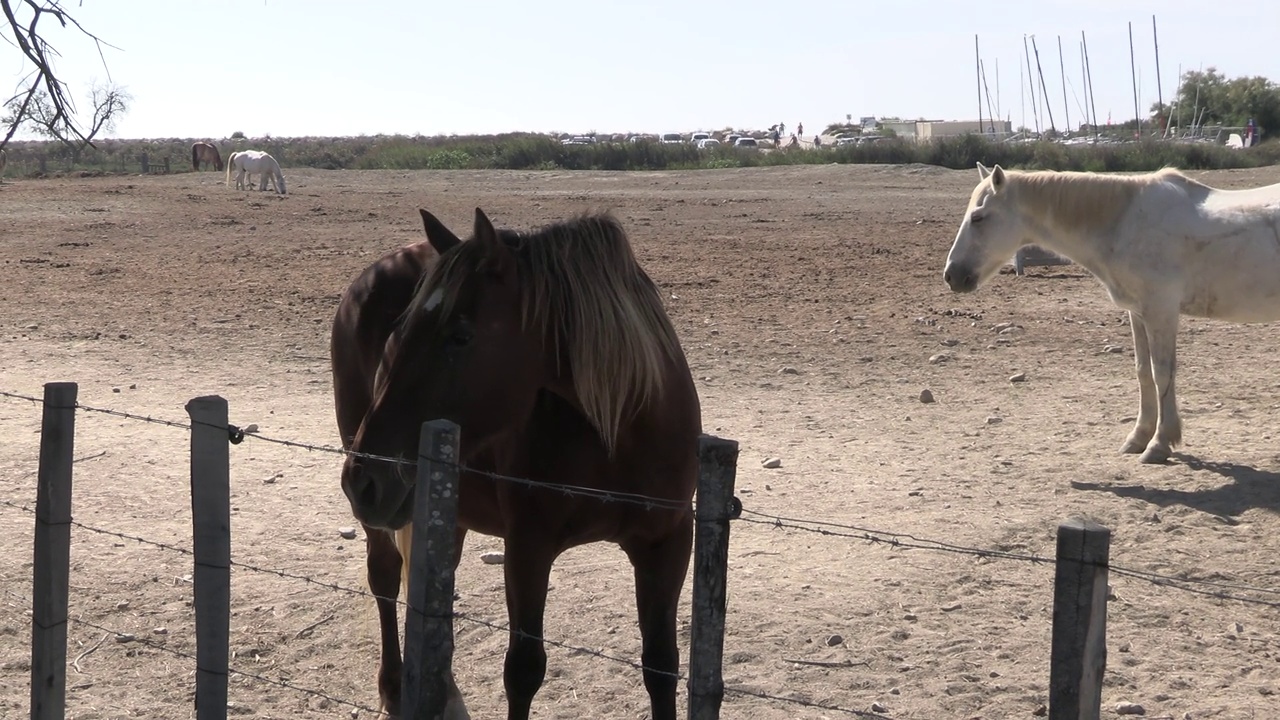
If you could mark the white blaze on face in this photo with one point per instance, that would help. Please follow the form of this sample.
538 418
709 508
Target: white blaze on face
433 300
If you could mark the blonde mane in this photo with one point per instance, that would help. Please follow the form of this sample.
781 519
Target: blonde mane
1083 200
580 283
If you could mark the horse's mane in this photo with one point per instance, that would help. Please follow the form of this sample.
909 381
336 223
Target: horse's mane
580 281
1086 200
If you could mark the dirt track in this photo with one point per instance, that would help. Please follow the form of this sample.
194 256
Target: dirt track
149 291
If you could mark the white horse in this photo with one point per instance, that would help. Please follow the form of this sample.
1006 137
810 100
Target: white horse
251 162
1161 243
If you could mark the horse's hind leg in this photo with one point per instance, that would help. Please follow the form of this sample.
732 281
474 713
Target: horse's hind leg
383 566
1148 406
1162 338
528 573
660 568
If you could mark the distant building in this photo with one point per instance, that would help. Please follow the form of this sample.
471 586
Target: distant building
924 130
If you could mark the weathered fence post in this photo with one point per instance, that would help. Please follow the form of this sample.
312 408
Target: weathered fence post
1078 657
52 553
428 623
211 520
166 165
146 164
717 467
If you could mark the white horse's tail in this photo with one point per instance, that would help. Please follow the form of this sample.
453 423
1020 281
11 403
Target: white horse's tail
279 176
231 160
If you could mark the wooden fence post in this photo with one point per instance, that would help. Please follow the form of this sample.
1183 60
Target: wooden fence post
428 622
211 520
52 553
717 467
146 164
1078 656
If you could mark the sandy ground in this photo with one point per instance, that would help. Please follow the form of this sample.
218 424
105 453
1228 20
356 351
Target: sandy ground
809 300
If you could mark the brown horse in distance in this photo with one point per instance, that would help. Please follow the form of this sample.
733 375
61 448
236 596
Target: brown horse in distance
552 352
207 153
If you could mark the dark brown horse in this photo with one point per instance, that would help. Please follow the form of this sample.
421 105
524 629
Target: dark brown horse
206 153
552 352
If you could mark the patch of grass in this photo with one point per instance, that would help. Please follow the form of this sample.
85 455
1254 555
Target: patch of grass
528 151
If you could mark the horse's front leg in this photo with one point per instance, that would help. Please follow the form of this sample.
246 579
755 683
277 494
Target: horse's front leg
383 565
660 568
1148 407
1162 339
528 574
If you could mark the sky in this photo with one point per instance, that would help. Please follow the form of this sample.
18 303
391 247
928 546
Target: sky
287 68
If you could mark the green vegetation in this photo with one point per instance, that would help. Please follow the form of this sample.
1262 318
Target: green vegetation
519 151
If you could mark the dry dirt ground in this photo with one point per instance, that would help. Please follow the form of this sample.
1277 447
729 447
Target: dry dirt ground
149 291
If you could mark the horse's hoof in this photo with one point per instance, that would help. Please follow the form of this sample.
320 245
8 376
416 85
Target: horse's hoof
1132 447
1155 455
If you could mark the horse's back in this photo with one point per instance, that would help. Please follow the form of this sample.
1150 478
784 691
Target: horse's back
365 318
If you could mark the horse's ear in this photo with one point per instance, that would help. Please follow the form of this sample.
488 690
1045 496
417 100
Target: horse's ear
440 237
983 172
997 177
498 257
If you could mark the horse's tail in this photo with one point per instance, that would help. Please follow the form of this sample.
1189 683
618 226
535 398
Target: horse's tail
195 157
231 160
217 157
279 176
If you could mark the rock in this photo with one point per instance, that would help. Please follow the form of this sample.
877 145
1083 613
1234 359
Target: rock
251 428
772 463
878 708
122 605
160 631
1001 326
926 396
939 358
1012 330
788 370
347 533
951 607
834 640
1040 711
1128 708
1113 348
125 637
1235 629
493 557
895 691
1018 377
115 389
271 480
950 342
994 420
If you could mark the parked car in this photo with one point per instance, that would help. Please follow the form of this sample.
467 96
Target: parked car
671 139
850 140
579 140
708 143
746 142
695 137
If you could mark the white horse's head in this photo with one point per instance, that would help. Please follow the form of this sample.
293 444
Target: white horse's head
991 232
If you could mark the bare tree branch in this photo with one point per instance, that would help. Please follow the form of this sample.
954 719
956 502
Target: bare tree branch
29 40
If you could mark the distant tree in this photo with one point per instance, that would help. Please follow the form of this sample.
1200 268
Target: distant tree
42 117
237 135
1209 97
21 29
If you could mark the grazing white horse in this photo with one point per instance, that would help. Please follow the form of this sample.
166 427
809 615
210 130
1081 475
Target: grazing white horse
1161 243
251 162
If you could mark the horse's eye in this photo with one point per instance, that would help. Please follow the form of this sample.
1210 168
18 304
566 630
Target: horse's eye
976 218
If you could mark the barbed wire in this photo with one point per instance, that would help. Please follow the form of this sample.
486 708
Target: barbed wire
805 703
908 541
237 434
230 670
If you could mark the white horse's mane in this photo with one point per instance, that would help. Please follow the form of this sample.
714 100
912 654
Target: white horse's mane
1084 200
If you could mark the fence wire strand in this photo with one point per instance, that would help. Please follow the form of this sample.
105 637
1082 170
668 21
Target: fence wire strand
237 434
907 541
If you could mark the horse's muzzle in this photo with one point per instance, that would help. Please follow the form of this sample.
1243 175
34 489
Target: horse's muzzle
379 497
960 279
